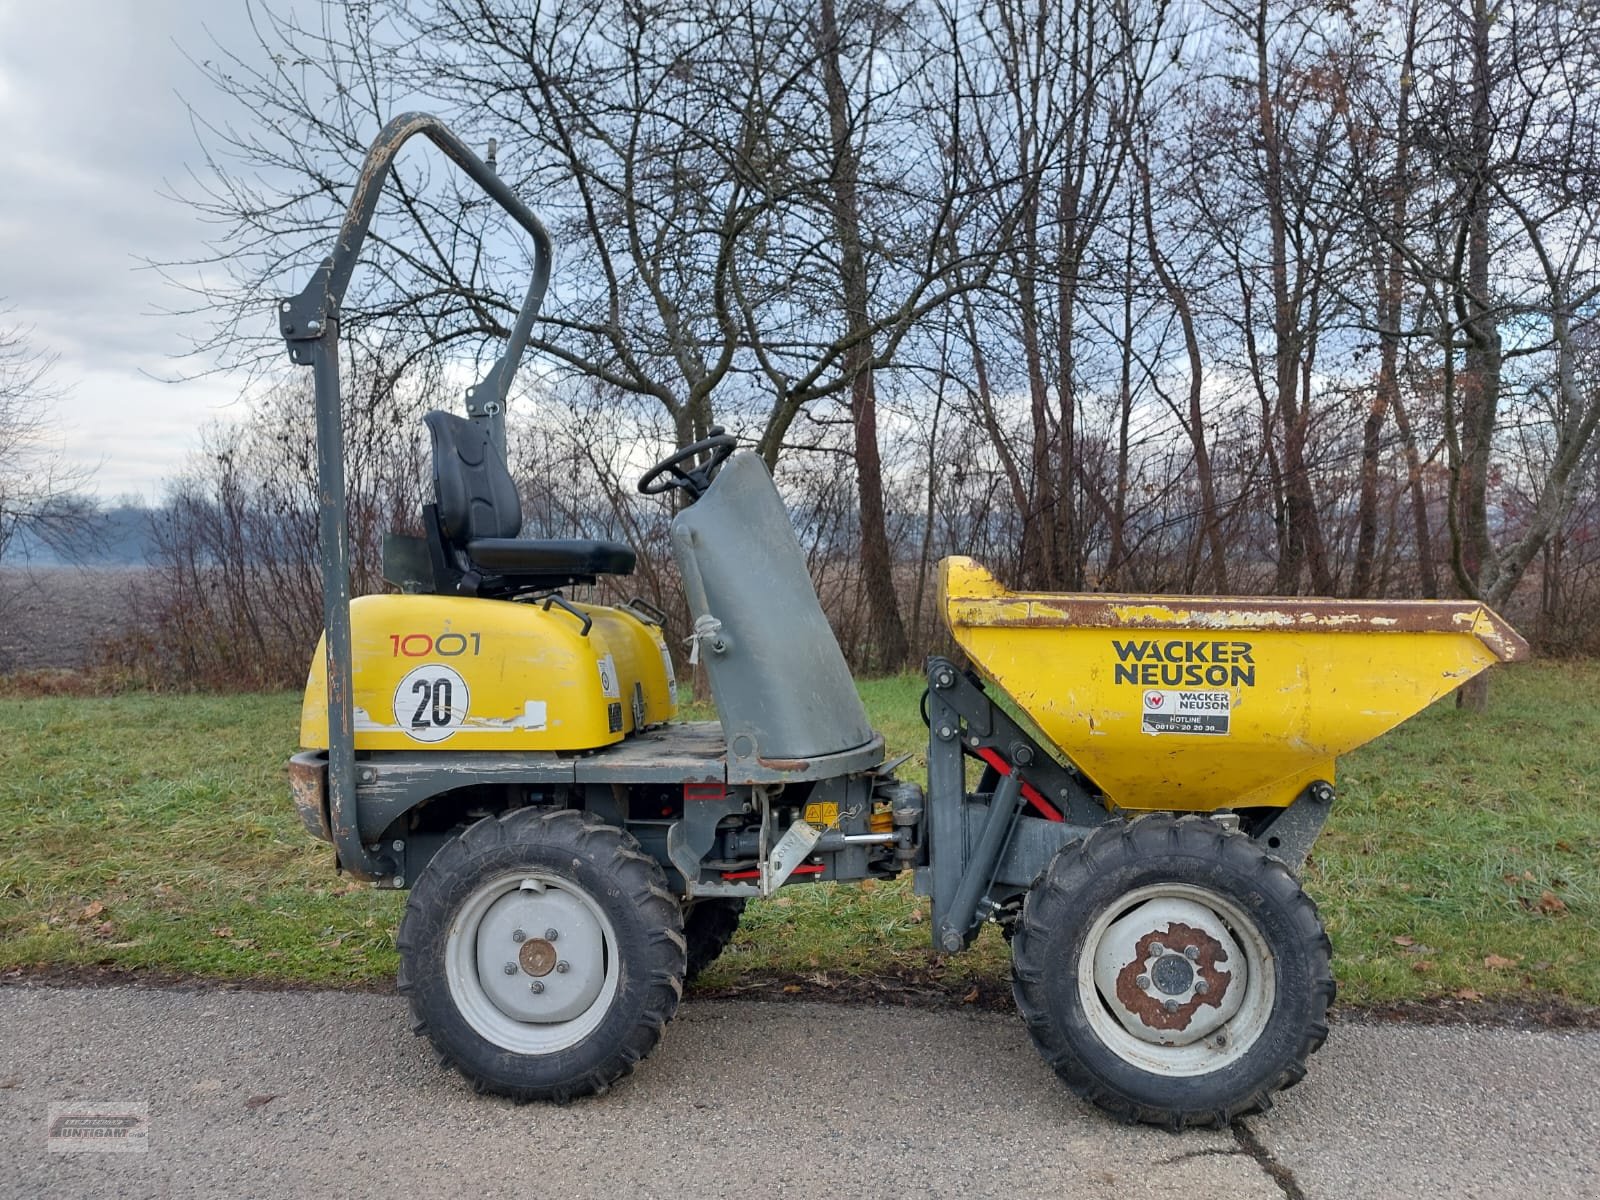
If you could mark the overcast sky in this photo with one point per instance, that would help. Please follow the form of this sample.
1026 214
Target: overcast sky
94 131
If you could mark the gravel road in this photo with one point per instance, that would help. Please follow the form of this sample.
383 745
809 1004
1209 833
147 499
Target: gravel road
279 1093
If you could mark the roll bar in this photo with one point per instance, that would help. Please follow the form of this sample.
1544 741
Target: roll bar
309 323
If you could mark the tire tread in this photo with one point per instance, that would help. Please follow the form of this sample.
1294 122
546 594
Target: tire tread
640 878
1128 844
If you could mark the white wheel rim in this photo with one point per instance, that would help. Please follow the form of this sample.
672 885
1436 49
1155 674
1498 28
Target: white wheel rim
1236 1018
573 1002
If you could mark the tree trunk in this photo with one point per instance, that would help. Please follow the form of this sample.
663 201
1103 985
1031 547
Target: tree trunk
1390 300
1040 552
1302 543
1427 572
1194 426
1479 379
888 649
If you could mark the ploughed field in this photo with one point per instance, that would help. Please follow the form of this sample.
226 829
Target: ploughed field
53 617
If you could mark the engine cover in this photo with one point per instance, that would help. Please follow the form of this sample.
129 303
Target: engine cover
461 673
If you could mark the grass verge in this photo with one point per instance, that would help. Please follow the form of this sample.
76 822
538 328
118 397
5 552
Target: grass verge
153 833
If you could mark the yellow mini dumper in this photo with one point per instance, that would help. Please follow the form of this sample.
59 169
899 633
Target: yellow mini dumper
574 853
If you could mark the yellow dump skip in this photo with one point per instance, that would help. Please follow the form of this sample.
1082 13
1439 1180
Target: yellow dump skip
1200 703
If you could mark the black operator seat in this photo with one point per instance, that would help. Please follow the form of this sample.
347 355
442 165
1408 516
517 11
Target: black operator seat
472 525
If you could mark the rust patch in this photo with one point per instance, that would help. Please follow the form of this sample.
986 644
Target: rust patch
537 956
785 764
1149 1008
308 786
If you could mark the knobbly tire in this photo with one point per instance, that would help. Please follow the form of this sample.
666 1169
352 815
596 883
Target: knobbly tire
1172 972
542 954
708 927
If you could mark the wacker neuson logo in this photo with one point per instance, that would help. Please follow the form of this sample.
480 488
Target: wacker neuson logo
99 1126
1179 662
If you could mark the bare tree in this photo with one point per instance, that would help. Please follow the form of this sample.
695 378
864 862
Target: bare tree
1240 295
1059 89
40 495
1513 186
753 202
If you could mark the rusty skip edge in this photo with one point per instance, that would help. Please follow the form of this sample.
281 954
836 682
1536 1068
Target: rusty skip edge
1240 613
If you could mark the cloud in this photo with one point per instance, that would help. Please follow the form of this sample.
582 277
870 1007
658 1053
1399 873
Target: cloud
92 101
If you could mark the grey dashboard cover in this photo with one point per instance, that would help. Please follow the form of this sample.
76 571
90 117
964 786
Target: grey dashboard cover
781 685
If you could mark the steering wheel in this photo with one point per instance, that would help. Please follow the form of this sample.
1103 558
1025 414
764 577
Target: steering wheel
671 473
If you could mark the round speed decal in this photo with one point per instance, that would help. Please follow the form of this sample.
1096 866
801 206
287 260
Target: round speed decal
431 702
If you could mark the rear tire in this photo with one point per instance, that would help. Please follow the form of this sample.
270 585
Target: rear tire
708 927
1172 972
542 954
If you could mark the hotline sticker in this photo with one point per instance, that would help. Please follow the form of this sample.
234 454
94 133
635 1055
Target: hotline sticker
1187 712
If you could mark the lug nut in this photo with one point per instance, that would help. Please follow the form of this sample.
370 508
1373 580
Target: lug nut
1201 987
1157 948
563 967
510 968
1171 1006
1192 953
551 935
536 987
1142 982
519 936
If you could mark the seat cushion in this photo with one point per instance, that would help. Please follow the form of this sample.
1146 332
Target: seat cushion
473 489
550 556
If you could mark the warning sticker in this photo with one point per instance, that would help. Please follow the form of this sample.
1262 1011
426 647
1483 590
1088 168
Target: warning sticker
1187 712
609 687
824 815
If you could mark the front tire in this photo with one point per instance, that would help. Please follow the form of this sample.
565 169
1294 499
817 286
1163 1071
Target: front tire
1172 972
542 954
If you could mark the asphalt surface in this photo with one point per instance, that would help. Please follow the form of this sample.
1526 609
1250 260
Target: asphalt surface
289 1093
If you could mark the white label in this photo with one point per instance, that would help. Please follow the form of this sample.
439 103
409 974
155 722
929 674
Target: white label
672 679
533 715
431 702
1187 712
609 687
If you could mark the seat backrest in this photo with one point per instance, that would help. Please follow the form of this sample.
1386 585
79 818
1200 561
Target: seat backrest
782 688
472 488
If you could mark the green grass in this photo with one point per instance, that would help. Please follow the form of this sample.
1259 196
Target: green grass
155 832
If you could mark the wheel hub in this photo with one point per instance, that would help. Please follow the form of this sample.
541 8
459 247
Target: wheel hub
537 957
1172 974
546 979
1170 971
